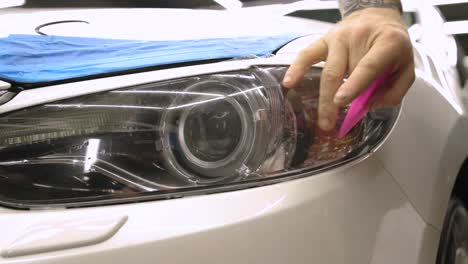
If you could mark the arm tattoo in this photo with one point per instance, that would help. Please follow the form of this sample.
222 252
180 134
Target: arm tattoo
349 6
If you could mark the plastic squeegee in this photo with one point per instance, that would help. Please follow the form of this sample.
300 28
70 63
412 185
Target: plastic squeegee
359 106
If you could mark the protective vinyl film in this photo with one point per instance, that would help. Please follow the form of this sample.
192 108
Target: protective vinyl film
181 137
40 59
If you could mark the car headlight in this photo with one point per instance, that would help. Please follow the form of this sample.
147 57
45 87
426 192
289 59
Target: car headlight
202 134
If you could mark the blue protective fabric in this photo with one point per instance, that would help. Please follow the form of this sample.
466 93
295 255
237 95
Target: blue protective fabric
38 59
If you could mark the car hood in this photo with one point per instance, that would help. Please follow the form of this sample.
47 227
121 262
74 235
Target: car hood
159 24
174 35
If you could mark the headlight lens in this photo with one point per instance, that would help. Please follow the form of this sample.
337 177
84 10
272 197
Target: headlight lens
187 136
212 133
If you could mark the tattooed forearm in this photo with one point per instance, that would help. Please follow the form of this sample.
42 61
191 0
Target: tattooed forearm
349 6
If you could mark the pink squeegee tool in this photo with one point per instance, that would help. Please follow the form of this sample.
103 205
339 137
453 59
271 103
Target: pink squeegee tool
359 106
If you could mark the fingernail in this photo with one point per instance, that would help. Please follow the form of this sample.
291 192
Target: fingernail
325 123
287 79
340 98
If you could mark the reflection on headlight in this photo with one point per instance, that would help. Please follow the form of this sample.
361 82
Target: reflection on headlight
187 136
217 98
103 106
91 154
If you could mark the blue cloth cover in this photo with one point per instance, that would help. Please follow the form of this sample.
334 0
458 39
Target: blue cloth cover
38 59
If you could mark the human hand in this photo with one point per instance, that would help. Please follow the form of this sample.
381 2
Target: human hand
362 46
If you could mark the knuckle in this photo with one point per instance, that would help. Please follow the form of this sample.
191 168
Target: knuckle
321 41
325 101
398 37
341 40
331 76
304 52
304 56
362 31
340 32
369 66
334 31
326 109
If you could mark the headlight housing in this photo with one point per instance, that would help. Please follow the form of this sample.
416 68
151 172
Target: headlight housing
187 136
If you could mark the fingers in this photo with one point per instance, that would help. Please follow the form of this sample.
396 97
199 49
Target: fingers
370 67
385 49
332 77
394 94
309 56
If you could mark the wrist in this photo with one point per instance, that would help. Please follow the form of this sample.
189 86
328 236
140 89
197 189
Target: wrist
349 7
376 13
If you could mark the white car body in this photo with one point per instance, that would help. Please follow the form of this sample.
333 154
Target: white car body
388 207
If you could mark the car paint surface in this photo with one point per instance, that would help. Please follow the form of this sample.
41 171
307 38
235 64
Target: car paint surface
354 215
385 208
